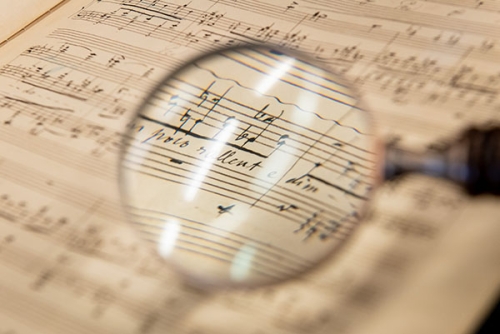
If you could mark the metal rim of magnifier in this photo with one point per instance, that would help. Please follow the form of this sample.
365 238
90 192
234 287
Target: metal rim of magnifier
378 150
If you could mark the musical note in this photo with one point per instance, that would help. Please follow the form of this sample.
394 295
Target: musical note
210 19
318 16
292 5
226 209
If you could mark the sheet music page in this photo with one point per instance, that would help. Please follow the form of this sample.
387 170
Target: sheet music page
15 15
70 262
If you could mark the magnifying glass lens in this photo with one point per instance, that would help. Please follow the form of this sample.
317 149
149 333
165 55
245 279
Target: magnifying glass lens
248 166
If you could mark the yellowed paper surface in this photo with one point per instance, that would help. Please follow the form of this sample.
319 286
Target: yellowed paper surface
69 261
15 15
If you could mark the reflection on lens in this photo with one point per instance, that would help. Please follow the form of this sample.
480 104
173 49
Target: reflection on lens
248 167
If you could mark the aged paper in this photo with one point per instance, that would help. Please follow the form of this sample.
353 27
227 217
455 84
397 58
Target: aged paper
15 15
70 262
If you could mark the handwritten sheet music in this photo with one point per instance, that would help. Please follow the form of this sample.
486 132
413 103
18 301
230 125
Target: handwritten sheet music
270 158
70 263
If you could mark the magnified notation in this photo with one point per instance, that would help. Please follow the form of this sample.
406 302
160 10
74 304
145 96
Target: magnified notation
248 166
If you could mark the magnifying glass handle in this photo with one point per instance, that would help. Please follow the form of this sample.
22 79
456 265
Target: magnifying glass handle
473 161
483 161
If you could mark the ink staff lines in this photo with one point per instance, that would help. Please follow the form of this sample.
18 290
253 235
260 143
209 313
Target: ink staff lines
51 84
180 159
162 15
107 99
197 41
445 49
188 246
392 14
73 281
293 16
304 86
112 102
327 144
301 69
230 41
381 33
102 44
63 232
341 171
335 220
465 75
85 236
196 92
205 243
98 70
74 240
285 195
48 121
89 65
190 40
371 89
59 153
349 170
238 239
266 256
190 109
55 116
59 190
301 84
221 175
473 4
214 251
65 238
326 163
441 73
435 94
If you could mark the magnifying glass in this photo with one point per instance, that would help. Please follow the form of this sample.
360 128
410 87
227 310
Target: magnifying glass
251 165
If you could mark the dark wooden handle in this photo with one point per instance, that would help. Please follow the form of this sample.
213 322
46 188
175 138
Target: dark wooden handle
483 148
